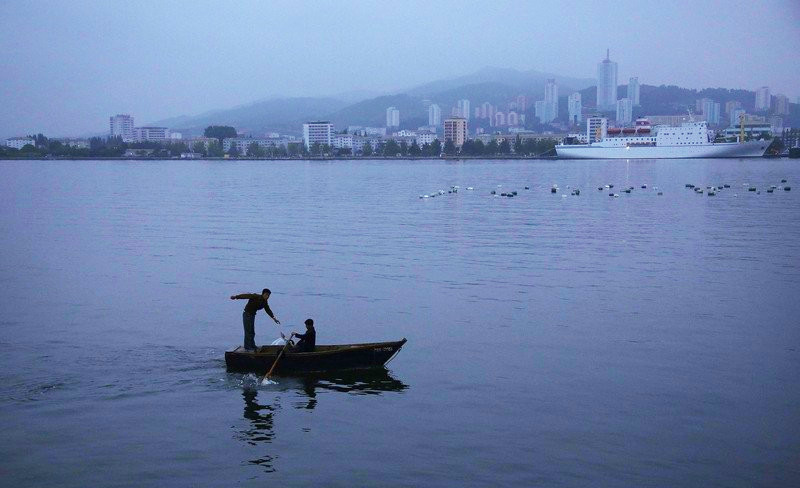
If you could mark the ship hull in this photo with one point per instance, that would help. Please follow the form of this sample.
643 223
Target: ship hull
750 149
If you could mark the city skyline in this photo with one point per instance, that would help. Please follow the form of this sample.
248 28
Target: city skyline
204 58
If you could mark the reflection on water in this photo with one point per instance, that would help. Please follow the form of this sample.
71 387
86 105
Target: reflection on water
261 426
368 382
261 417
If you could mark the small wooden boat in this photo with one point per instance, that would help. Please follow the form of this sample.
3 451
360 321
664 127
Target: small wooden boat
324 358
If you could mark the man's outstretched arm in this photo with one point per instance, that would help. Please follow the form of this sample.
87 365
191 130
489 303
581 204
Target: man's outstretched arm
244 296
269 312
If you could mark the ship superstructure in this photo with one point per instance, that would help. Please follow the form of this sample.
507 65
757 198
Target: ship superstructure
642 141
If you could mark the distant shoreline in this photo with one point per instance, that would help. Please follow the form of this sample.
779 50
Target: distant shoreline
308 158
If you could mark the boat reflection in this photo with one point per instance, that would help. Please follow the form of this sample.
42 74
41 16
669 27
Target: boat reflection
261 428
261 416
367 382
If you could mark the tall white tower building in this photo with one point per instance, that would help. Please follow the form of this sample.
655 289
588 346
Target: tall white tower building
606 84
624 110
763 98
434 115
392 117
574 108
551 99
540 111
633 90
781 105
463 108
121 125
711 111
547 110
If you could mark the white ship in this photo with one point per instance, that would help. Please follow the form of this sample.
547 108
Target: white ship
689 140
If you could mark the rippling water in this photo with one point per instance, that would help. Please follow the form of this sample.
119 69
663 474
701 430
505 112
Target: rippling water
584 340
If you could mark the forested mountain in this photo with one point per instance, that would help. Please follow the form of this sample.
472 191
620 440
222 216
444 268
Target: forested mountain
496 86
284 115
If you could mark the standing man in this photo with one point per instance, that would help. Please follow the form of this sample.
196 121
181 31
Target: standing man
255 302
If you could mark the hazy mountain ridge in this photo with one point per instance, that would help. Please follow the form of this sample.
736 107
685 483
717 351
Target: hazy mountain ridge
279 114
530 82
493 85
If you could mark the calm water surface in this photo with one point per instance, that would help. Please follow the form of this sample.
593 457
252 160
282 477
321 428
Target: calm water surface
643 340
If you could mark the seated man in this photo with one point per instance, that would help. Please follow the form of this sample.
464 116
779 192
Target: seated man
307 340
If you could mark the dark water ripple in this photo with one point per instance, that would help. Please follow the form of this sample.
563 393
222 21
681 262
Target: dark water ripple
641 340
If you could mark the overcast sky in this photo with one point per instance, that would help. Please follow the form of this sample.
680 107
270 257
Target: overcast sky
66 66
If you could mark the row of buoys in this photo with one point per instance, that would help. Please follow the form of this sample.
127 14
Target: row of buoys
575 192
713 190
627 190
453 189
509 194
709 190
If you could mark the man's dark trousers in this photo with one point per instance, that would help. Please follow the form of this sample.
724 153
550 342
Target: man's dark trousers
249 321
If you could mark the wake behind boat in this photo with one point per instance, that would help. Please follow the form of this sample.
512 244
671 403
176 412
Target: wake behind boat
323 358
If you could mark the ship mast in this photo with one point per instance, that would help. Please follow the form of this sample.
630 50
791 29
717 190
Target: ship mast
741 128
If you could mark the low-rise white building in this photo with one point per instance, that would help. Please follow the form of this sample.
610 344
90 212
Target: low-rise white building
206 141
150 134
281 141
320 132
754 129
74 143
243 143
19 142
343 141
579 137
360 142
425 137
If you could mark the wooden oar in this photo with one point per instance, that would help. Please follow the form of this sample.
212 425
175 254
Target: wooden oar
269 373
